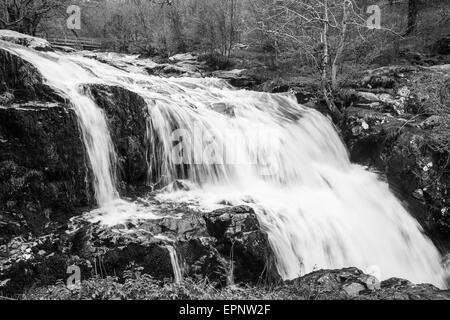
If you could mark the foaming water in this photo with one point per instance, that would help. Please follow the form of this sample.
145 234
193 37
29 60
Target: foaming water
67 77
176 267
263 150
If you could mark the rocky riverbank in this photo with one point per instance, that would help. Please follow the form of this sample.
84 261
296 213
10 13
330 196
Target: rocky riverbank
397 121
348 284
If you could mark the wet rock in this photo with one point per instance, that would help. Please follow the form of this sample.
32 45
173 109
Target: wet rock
351 283
400 289
167 70
6 98
236 77
43 173
403 142
332 284
411 159
21 263
25 40
23 80
385 77
225 245
65 49
126 113
365 97
178 185
223 108
353 289
183 57
306 90
180 65
240 236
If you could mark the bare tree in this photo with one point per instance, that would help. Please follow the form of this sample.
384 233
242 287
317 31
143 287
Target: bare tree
25 15
316 28
413 11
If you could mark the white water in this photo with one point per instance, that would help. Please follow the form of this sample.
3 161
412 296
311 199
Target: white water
176 267
67 78
285 161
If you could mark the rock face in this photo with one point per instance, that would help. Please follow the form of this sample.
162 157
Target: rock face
42 168
180 65
21 81
225 245
239 237
42 161
126 113
44 179
25 40
352 283
396 122
236 77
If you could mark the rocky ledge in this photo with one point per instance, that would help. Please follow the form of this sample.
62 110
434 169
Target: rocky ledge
221 254
25 40
224 246
397 122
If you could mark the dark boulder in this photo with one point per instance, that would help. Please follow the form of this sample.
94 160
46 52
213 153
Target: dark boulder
218 245
113 250
33 262
35 43
126 113
238 78
225 246
239 236
22 81
352 283
43 172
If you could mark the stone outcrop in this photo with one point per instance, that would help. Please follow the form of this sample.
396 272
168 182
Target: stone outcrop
126 113
396 122
239 236
25 40
238 78
352 283
42 167
20 81
44 177
224 245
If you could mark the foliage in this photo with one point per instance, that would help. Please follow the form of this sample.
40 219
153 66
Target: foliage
25 15
138 286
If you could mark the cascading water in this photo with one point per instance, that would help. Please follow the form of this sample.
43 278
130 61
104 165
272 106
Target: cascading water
67 77
319 210
263 150
177 274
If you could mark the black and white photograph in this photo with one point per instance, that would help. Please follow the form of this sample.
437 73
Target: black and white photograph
249 151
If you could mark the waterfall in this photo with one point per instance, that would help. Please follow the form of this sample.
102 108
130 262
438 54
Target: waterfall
66 78
177 274
289 164
262 150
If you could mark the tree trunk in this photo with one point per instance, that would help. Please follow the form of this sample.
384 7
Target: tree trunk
335 113
413 11
338 57
326 56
